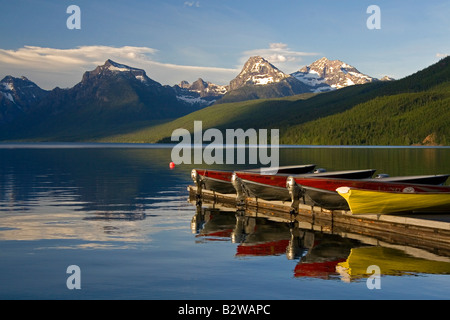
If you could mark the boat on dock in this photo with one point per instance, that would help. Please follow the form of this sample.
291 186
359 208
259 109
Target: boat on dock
409 199
273 187
220 180
214 180
322 192
296 169
319 188
436 179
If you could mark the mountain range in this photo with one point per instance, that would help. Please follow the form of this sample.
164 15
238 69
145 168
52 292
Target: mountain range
410 111
115 102
130 93
259 79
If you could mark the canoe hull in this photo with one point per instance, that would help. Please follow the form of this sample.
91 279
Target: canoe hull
300 169
322 192
326 199
438 179
214 180
273 187
267 192
218 185
363 201
220 180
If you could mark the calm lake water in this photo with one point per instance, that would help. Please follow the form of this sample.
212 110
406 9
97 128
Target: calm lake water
123 217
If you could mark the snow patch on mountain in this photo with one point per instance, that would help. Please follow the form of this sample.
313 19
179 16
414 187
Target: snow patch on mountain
8 96
114 68
7 86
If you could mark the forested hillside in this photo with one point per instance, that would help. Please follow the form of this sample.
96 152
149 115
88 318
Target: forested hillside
400 119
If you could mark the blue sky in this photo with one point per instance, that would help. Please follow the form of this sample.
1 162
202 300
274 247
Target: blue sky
174 40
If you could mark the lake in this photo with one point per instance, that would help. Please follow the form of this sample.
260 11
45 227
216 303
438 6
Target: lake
122 217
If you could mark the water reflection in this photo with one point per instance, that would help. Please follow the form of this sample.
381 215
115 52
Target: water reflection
93 195
320 252
123 216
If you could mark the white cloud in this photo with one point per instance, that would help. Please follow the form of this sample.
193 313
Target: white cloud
280 55
192 4
441 55
50 67
65 59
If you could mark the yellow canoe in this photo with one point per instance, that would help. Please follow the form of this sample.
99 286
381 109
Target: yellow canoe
363 201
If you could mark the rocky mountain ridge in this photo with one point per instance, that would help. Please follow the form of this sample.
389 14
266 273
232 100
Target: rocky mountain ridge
113 84
257 71
199 92
18 95
325 75
320 76
114 69
111 92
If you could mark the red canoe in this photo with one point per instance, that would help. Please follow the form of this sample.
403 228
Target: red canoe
220 180
273 187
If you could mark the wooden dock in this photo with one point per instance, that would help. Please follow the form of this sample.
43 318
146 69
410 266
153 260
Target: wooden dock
427 234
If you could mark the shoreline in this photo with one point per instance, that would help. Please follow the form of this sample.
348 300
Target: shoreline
56 145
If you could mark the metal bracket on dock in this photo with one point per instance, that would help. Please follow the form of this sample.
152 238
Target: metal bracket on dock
199 184
241 194
296 192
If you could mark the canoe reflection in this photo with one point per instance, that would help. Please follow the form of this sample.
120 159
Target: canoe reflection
391 262
254 236
320 253
324 253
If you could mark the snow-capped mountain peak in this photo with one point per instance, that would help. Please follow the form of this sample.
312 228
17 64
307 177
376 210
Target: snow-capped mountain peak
20 90
257 71
200 92
327 74
112 68
17 96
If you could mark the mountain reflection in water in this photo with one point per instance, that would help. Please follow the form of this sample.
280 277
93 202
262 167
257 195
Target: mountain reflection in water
320 253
